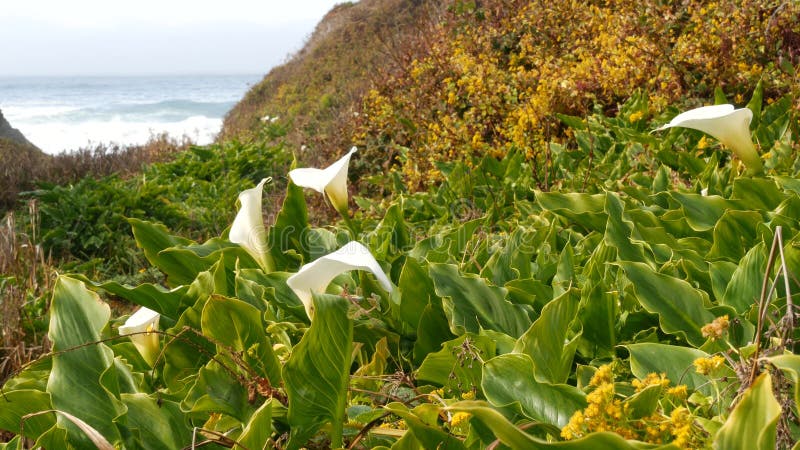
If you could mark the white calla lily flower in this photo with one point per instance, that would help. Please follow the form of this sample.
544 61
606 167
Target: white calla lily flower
331 181
248 228
315 276
143 322
727 124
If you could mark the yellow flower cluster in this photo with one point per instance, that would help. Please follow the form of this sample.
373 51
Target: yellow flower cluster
717 328
493 78
709 366
608 411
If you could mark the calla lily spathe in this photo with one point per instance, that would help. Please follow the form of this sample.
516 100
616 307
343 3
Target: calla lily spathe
143 322
727 124
316 275
248 228
331 181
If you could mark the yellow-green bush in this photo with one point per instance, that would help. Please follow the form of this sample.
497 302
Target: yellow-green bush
493 77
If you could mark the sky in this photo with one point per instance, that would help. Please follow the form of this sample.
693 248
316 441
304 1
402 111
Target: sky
152 37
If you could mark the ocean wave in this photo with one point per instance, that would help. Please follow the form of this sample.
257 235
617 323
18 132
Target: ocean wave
159 111
55 137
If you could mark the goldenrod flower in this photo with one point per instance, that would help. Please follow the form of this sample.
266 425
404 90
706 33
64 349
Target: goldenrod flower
717 328
707 366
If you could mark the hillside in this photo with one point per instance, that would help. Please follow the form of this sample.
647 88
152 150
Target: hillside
320 89
416 83
11 133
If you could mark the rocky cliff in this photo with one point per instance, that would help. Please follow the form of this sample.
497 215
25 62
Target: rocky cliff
11 133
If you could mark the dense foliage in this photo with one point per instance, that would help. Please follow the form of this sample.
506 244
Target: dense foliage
495 75
625 310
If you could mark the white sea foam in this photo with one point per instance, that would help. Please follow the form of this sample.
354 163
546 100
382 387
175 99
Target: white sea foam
64 114
55 137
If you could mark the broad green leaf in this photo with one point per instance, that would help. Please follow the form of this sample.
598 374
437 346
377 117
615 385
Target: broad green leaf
157 424
416 291
258 429
508 380
598 314
317 373
549 341
168 303
218 389
286 239
421 422
368 376
513 260
586 210
618 232
471 303
185 352
391 237
457 365
643 403
674 361
18 403
760 194
433 330
76 384
152 238
752 423
703 212
720 273
734 234
238 325
278 293
790 364
680 307
744 288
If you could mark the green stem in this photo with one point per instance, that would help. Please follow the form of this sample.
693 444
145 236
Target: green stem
337 424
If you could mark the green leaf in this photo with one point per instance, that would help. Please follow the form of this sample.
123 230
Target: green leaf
643 403
421 422
78 383
258 429
471 303
154 238
238 325
508 380
790 364
168 303
752 423
674 361
586 210
549 341
618 232
744 288
286 238
702 212
457 365
16 404
734 234
157 424
218 390
317 373
680 307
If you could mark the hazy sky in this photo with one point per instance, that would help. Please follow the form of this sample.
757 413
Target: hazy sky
107 37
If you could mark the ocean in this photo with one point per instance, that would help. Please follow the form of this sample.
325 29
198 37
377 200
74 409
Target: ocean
68 113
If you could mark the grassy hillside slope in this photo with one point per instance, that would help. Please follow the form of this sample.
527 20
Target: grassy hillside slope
319 90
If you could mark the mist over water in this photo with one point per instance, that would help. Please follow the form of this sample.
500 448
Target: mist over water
67 113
